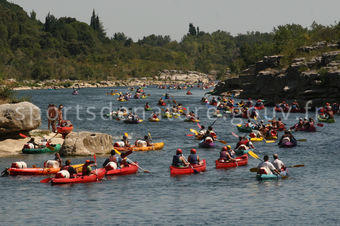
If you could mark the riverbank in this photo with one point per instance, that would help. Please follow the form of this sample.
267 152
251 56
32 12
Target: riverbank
169 77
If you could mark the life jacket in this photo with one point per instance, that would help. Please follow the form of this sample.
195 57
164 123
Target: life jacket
19 165
244 142
193 159
224 156
63 174
85 170
176 161
119 144
208 140
141 143
111 166
65 167
51 164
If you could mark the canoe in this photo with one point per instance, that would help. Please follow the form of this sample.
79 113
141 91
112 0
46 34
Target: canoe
148 109
36 171
244 129
133 121
154 119
240 152
191 120
206 145
188 170
271 138
288 144
155 146
217 115
176 115
167 115
96 175
272 176
243 160
123 100
41 150
261 107
291 110
331 120
256 139
65 129
131 169
310 129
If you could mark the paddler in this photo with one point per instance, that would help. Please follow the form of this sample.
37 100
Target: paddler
266 167
193 158
147 106
126 141
69 168
245 143
147 140
226 154
178 160
287 136
58 159
86 170
278 164
114 157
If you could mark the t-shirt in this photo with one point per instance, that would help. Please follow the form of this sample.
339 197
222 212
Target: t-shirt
267 166
278 164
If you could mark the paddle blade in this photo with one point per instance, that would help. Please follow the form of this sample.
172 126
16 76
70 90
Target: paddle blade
253 170
126 134
194 131
235 135
46 180
23 135
252 154
296 166
270 141
199 126
117 152
190 135
222 141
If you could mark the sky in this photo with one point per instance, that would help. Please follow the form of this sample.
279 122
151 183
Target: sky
139 18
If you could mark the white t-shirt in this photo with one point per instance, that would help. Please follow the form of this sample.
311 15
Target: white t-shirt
278 164
267 166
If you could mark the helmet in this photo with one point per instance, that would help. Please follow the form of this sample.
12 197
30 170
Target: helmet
193 151
229 147
87 161
225 148
179 151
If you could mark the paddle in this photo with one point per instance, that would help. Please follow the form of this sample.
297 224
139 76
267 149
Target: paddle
153 146
194 131
199 126
126 134
145 171
95 162
254 170
302 140
46 180
195 171
190 135
255 156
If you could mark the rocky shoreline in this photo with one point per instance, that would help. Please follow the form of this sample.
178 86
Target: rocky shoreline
315 79
168 77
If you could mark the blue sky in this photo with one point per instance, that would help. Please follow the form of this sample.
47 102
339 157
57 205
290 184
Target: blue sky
138 18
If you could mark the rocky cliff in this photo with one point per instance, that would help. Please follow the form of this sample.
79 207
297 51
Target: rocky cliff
314 78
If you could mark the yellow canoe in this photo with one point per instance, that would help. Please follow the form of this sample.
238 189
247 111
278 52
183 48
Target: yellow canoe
155 146
154 119
256 139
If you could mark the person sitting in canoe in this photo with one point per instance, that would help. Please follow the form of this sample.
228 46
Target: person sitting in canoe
295 105
249 124
278 164
114 157
213 101
284 106
210 133
259 103
178 160
298 125
244 144
193 158
280 125
69 168
329 114
227 154
266 167
86 170
249 103
161 102
147 140
147 106
58 159
31 144
126 141
287 137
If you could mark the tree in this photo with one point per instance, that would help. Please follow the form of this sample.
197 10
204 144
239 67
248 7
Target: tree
192 30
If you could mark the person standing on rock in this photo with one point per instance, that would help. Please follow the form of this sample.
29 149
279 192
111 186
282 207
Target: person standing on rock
51 117
60 114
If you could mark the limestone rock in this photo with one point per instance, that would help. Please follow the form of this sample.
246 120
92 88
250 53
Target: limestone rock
18 117
86 143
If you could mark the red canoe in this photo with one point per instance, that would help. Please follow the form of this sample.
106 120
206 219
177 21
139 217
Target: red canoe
131 169
188 170
261 107
65 129
32 171
310 129
96 175
243 160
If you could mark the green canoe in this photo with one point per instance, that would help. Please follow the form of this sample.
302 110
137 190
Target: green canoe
331 120
283 174
243 129
41 150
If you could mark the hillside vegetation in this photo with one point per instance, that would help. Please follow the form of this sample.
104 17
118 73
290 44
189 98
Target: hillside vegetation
66 48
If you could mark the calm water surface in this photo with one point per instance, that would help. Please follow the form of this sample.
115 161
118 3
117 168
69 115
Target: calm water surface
310 196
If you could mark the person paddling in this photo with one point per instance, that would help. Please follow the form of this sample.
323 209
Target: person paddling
86 170
178 160
266 167
277 163
226 154
69 168
114 157
58 159
287 137
193 158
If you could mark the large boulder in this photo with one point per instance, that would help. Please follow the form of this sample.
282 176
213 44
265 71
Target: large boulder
18 117
86 143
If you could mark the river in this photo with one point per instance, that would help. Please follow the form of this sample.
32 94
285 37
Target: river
310 196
